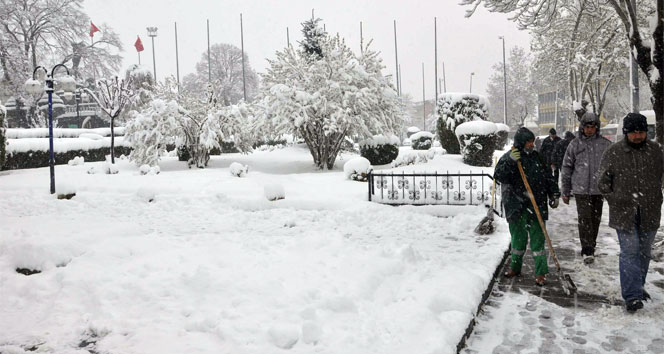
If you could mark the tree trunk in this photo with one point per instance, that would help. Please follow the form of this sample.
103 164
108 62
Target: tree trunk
112 141
657 100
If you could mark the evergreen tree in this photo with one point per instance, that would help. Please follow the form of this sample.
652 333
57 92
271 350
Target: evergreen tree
314 35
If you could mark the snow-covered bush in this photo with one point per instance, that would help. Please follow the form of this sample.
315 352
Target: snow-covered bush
274 192
380 149
502 133
357 169
478 142
76 161
422 141
329 93
149 170
417 156
65 190
238 170
454 109
151 130
412 130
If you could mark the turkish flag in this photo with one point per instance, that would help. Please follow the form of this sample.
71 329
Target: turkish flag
138 44
93 29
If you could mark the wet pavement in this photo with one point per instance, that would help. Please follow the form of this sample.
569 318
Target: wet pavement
520 317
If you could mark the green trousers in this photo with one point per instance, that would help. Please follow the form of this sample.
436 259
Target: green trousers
528 224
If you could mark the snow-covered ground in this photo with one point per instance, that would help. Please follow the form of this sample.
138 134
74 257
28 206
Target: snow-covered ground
211 266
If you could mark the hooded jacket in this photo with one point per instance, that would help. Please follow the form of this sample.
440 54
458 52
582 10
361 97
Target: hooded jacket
582 158
560 149
540 178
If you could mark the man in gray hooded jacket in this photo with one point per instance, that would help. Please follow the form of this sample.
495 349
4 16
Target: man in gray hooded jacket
580 176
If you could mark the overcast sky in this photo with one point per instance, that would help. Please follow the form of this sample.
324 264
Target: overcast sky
465 45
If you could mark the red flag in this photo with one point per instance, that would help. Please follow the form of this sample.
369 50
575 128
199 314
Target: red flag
93 29
138 44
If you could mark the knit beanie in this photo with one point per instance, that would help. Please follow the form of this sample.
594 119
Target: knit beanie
552 131
522 136
635 122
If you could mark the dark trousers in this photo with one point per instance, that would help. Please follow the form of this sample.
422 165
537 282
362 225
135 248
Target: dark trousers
589 209
556 174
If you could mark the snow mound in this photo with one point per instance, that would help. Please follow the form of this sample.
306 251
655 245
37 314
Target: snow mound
476 127
91 136
64 188
311 332
419 135
356 167
413 129
284 336
146 194
149 170
274 192
238 170
76 161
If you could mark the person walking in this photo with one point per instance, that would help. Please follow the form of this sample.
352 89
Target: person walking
580 174
548 146
519 210
560 148
631 176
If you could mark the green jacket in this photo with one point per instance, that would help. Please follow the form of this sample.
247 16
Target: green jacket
514 194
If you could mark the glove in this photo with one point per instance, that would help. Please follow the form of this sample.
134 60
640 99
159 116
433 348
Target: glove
553 203
566 199
515 154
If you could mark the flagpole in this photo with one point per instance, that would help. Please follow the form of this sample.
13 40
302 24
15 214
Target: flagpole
177 60
139 58
244 81
208 38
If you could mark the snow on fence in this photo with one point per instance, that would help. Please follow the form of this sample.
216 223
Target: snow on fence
25 145
433 188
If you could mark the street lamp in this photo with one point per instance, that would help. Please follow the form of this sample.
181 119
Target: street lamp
152 32
35 87
471 82
504 83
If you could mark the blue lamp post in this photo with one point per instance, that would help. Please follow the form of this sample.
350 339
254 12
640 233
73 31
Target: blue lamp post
33 86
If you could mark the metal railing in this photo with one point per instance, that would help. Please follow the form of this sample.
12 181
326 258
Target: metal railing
433 189
83 108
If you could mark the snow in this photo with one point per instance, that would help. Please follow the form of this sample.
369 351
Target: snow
238 170
211 266
60 145
76 161
422 134
380 140
356 166
20 133
274 191
476 127
502 127
413 129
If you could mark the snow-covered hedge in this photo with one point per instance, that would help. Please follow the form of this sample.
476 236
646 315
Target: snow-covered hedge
478 141
422 141
380 149
455 109
20 133
34 152
412 130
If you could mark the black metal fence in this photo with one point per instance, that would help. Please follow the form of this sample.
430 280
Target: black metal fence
434 189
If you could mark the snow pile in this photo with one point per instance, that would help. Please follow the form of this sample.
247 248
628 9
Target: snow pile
407 142
238 170
413 130
149 170
91 136
146 194
274 192
76 161
380 140
111 168
413 157
356 168
476 127
500 127
64 187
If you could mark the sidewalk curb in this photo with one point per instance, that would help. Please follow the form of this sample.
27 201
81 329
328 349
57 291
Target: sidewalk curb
471 326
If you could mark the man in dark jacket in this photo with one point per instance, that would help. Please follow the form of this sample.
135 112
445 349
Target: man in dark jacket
580 174
631 174
518 207
560 148
548 146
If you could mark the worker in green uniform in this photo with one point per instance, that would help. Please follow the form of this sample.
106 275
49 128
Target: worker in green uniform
518 207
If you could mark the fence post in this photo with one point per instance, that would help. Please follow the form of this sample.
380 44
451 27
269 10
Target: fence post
370 184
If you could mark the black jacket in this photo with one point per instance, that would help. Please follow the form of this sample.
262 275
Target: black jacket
548 146
559 152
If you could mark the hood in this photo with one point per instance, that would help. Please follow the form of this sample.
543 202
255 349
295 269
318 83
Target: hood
522 136
589 117
569 135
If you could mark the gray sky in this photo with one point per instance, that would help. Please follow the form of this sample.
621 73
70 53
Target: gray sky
465 45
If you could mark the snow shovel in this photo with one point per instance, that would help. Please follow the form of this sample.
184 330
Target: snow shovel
487 225
565 279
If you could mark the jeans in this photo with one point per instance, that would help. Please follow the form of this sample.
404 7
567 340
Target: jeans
635 255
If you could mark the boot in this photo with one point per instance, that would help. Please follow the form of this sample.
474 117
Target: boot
646 296
511 273
540 280
632 305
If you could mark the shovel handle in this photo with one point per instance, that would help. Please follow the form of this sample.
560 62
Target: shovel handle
537 212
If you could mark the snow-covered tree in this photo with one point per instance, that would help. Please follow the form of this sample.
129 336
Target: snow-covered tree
151 130
112 96
521 89
646 38
325 98
226 74
455 109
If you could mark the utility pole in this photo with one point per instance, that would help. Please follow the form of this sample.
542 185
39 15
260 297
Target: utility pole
152 32
444 81
177 60
208 39
287 38
396 57
361 39
424 103
244 82
470 90
505 84
435 36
